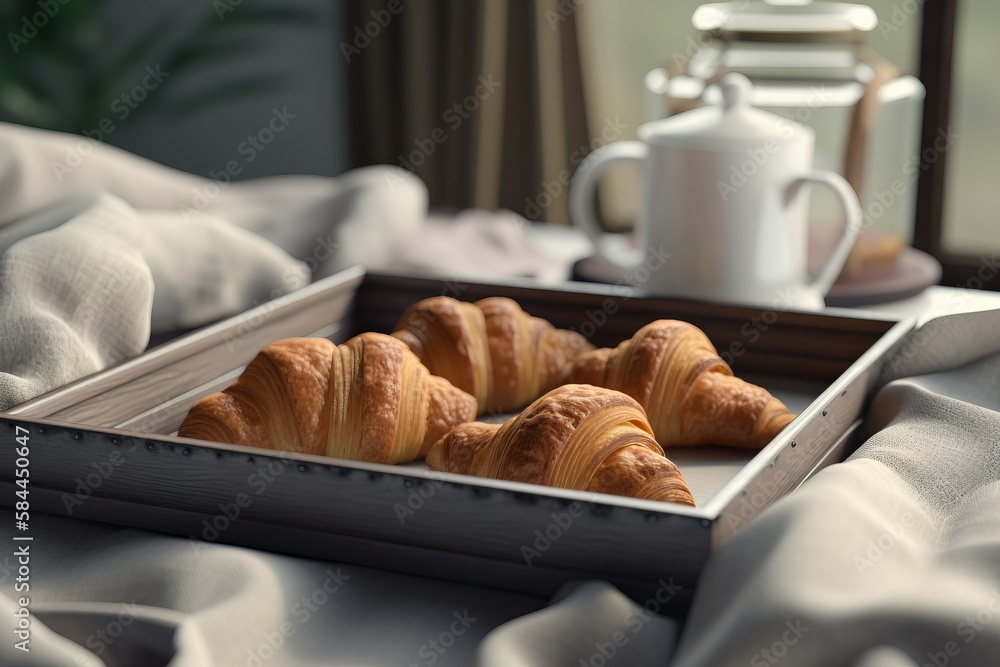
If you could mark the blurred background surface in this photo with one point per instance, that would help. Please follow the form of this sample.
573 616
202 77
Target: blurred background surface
493 103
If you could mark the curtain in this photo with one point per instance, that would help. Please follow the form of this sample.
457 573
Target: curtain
482 99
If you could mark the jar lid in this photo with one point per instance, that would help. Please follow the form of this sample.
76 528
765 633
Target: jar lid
733 125
785 20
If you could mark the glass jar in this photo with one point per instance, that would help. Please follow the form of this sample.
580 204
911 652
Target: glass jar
810 61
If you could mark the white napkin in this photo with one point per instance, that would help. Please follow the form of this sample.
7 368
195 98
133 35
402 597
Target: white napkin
43 647
232 606
479 245
73 301
99 248
203 270
589 623
359 217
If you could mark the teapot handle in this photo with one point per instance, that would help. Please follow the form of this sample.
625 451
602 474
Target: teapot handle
852 211
581 200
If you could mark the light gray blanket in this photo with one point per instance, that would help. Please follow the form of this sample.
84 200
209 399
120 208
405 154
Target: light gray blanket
95 258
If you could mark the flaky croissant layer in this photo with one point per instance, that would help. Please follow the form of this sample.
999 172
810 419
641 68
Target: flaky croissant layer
491 349
687 390
574 437
369 399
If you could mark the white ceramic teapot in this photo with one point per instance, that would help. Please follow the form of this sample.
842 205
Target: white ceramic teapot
724 211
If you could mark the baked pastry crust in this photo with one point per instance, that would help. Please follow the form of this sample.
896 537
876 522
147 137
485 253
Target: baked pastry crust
574 437
369 399
688 391
491 349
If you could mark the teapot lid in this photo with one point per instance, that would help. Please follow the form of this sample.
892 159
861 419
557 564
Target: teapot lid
785 20
730 126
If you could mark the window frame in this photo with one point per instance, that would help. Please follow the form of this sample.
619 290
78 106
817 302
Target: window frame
937 42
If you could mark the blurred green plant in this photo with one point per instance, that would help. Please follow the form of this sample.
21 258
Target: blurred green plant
45 75
61 70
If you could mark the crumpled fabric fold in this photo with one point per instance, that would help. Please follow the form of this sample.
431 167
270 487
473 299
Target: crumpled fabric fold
96 257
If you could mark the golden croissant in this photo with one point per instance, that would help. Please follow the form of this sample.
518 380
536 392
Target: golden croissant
369 399
491 349
688 391
574 437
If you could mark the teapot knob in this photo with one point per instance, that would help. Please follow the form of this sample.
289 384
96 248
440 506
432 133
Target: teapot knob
736 90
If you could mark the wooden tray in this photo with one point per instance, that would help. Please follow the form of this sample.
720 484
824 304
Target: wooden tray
408 518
